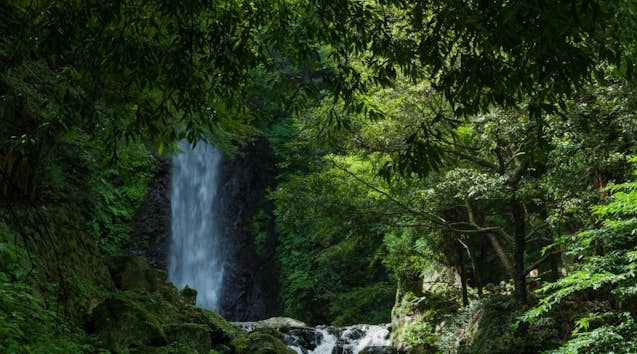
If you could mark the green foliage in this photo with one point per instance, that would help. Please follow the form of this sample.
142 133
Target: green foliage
615 336
28 323
489 326
363 305
498 125
118 192
330 239
262 238
604 271
419 319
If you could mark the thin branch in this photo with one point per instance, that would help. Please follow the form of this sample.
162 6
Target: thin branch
474 224
431 217
538 262
478 161
535 230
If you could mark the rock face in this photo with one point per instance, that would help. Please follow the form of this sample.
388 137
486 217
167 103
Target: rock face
250 283
147 314
250 280
150 237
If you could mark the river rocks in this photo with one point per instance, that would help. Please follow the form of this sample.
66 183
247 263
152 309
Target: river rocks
306 338
323 339
262 341
377 350
272 322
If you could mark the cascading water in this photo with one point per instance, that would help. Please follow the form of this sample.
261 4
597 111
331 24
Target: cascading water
346 340
196 257
327 340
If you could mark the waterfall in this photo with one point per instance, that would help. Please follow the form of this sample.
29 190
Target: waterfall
196 257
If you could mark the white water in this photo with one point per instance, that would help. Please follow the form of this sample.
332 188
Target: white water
327 343
196 258
375 336
349 340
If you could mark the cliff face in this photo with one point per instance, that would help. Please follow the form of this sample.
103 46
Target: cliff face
150 237
250 283
250 279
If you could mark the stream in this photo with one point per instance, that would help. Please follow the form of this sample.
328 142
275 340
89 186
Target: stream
374 339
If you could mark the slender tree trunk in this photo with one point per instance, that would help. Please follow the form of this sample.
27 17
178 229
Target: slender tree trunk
519 247
554 263
463 275
499 251
476 273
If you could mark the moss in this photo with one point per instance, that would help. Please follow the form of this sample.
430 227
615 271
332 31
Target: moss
187 328
132 272
417 321
64 263
491 326
121 323
189 294
261 341
192 336
221 330
127 305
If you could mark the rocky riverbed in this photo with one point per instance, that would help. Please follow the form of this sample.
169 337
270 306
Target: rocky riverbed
304 339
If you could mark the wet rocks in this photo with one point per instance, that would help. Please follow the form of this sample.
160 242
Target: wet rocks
371 339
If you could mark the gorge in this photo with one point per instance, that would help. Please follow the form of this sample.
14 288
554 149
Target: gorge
202 244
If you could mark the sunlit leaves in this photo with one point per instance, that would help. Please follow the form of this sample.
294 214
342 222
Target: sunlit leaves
614 269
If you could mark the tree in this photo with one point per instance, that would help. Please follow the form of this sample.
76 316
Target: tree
154 71
604 273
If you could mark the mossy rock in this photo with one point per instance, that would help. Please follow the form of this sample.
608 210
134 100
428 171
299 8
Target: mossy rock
121 323
193 336
381 350
221 331
262 341
133 272
189 294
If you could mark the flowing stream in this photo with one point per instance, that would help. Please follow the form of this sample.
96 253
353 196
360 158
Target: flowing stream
346 340
196 255
374 339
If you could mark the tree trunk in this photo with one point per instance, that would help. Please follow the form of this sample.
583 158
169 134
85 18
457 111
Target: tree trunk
499 251
463 275
519 247
476 273
554 263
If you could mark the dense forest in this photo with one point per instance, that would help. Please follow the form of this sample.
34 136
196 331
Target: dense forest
465 170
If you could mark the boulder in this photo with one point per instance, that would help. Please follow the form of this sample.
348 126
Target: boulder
273 322
132 272
377 350
262 341
189 294
121 323
193 336
305 337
